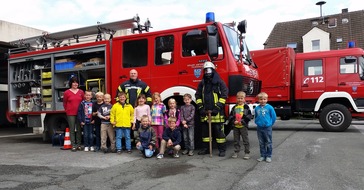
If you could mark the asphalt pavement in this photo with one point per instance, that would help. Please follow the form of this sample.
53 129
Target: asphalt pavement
304 157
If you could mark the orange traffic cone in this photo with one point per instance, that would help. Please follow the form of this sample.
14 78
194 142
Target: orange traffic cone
67 141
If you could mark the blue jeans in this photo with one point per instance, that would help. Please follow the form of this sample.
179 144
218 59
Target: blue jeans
188 138
120 132
146 151
265 141
98 135
88 137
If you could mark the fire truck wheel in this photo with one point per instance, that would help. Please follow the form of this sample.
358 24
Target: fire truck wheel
56 124
335 118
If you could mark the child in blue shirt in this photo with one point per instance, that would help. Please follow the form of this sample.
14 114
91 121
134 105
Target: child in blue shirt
265 116
171 139
84 116
145 137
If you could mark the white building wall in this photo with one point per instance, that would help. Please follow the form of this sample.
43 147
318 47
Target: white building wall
11 31
316 34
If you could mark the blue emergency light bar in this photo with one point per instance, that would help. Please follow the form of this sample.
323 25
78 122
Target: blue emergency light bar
210 17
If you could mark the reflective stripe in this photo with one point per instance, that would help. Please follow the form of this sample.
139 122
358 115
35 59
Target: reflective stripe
220 140
119 89
206 139
149 99
222 100
146 89
199 101
215 97
214 119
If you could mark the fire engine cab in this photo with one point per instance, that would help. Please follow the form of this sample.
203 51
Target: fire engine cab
169 61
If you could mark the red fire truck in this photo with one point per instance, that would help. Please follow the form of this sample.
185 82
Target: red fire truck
329 84
169 61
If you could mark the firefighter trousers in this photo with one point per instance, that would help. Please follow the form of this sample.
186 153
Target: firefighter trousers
217 133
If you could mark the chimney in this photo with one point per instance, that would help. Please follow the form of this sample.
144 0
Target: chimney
346 10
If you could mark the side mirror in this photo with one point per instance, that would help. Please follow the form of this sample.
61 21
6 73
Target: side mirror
212 41
242 27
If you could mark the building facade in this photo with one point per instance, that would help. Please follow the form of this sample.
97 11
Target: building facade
330 32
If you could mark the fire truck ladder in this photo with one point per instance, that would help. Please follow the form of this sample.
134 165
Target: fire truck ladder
56 39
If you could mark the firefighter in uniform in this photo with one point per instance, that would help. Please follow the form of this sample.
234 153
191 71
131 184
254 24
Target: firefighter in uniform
133 88
211 95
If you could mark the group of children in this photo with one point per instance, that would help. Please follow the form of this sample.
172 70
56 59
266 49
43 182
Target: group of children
157 127
154 127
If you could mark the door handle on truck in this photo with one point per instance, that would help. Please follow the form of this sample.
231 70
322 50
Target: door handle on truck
182 72
342 84
123 77
305 85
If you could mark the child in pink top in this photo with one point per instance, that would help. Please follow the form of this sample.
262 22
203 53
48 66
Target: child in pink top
157 114
140 109
172 111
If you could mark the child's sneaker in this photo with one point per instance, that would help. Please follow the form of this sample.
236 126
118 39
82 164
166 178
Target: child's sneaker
269 160
260 159
190 153
86 149
129 151
246 157
159 156
176 155
92 149
74 149
118 151
235 155
185 152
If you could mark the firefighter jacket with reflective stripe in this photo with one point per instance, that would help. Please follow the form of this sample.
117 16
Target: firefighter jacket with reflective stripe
212 94
133 89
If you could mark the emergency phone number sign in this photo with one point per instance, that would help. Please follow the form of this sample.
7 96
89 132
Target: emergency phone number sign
319 79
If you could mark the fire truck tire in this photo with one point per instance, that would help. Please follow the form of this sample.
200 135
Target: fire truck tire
56 123
335 118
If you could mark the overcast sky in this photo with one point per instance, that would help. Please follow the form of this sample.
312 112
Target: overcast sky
261 15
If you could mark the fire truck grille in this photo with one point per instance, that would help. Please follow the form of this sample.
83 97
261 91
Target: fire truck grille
249 85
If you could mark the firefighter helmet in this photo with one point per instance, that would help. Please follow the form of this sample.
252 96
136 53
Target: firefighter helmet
208 64
208 68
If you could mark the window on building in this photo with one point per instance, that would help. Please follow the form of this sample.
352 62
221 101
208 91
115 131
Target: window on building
348 64
313 67
315 45
292 45
164 46
332 22
135 53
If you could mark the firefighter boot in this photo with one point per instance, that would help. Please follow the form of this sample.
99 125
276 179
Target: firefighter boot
222 149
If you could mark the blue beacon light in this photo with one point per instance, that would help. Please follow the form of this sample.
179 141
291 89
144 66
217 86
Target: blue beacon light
210 17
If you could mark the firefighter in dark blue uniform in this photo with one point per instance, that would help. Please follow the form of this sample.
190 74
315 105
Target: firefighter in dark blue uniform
211 96
133 88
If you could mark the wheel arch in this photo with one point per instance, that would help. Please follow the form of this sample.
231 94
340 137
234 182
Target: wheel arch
327 98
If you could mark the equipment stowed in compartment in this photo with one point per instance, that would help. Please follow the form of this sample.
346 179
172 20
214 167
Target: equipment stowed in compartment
23 73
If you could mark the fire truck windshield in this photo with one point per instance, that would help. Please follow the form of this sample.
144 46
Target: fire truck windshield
361 70
234 43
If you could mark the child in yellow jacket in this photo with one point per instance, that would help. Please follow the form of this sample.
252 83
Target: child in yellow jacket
122 117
